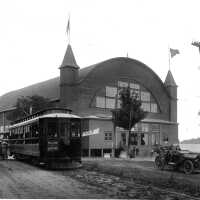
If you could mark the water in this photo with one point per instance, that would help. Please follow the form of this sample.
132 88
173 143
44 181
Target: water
191 147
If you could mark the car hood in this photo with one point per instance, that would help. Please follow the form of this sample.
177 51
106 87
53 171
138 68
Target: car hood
191 155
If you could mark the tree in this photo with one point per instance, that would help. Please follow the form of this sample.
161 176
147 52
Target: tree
129 113
28 105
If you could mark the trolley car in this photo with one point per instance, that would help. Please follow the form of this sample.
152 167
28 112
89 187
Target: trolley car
51 137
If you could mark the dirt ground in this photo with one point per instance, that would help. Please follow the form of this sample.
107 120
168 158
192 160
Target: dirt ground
21 180
98 179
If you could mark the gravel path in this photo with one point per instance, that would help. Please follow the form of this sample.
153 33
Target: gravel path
21 180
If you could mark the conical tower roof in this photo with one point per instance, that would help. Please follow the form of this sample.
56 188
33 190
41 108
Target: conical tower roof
169 81
69 59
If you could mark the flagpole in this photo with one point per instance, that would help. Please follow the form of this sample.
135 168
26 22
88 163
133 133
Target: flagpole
68 29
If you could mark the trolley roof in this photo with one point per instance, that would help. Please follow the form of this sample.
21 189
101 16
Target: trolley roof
49 113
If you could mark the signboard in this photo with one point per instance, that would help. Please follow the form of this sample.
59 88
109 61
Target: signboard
91 132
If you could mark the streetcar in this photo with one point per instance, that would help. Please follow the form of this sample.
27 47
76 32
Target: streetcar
51 138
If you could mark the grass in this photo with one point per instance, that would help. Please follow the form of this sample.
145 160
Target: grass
148 178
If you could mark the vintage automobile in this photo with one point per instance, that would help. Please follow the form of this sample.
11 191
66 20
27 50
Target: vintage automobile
173 156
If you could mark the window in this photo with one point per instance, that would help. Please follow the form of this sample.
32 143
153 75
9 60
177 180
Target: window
146 107
118 103
64 131
85 125
123 136
106 97
155 128
118 92
100 102
165 139
134 139
108 136
135 93
75 129
144 139
138 127
52 130
122 84
145 127
21 133
153 139
35 131
110 103
134 86
27 134
154 108
145 96
111 91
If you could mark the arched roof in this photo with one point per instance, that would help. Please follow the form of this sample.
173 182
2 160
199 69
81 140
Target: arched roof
115 61
119 65
50 88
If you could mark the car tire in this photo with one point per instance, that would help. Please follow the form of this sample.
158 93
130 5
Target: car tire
188 167
159 163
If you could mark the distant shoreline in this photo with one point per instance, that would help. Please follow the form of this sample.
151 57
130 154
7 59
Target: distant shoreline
191 141
188 143
190 147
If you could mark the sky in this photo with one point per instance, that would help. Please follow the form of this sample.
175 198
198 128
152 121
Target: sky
33 42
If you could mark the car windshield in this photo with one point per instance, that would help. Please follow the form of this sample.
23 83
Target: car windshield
184 151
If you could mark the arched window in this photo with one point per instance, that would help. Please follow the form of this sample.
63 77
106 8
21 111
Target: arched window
108 97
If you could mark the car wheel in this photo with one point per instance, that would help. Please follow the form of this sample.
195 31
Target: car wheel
159 163
188 167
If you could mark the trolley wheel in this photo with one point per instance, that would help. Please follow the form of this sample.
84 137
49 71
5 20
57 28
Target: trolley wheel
35 161
188 167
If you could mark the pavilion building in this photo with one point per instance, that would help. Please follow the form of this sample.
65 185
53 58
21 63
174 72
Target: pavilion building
91 93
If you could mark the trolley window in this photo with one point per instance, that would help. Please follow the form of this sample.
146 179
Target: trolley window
75 129
52 130
64 130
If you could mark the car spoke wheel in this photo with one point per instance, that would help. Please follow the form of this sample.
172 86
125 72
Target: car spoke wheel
188 167
159 163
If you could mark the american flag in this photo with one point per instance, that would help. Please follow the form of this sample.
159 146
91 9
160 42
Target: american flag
173 52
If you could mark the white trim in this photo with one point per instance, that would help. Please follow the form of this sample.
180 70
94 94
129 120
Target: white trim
147 120
159 121
59 115
51 115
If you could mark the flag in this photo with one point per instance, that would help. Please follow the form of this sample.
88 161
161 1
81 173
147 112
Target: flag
68 26
173 52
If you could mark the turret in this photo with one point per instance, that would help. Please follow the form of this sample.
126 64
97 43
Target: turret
69 73
171 86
